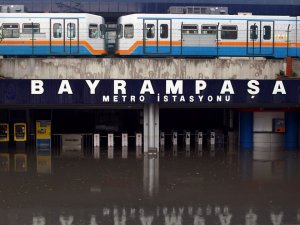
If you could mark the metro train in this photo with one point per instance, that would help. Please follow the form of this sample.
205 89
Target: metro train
191 35
150 35
51 34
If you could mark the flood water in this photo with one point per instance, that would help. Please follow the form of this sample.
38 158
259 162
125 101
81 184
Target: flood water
172 188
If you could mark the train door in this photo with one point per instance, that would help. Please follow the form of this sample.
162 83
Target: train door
64 38
164 37
260 38
157 36
150 36
267 37
253 38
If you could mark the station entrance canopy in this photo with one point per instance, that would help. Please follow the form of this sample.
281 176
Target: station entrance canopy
206 93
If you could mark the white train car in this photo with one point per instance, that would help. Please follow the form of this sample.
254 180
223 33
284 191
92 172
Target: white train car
208 35
52 34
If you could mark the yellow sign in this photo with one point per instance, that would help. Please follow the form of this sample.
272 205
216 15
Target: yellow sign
43 129
4 132
43 164
20 132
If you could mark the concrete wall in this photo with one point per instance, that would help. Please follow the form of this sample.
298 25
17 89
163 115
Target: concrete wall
263 136
141 68
263 121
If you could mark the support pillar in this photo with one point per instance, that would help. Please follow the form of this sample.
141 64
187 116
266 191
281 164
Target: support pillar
151 127
291 130
246 130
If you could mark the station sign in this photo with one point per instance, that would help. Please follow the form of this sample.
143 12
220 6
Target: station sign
137 91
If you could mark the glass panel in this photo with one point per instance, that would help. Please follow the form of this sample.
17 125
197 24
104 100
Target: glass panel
209 29
128 31
71 33
229 32
93 31
190 29
57 30
29 27
267 32
150 31
253 32
120 30
102 30
164 31
11 31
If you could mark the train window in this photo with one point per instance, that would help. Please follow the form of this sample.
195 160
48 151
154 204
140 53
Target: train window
102 30
209 29
29 28
57 30
229 32
93 31
71 32
150 31
164 31
253 32
10 30
120 31
267 32
190 29
128 31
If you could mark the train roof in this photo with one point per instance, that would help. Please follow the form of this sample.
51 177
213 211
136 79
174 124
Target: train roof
47 15
195 16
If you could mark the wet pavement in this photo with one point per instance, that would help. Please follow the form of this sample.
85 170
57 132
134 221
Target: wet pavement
172 188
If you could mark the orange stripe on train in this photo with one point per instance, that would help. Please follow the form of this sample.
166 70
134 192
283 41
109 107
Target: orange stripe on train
67 42
221 43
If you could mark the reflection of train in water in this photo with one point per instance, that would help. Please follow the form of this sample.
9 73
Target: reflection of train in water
52 34
208 35
180 35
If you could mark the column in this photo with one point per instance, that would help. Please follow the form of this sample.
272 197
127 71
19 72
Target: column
246 130
151 127
291 130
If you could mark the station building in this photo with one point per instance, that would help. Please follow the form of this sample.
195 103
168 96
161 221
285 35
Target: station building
151 103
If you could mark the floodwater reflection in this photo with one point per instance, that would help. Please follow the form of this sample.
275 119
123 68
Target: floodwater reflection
175 187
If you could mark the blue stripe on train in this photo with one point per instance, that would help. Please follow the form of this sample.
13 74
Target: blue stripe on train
43 50
277 52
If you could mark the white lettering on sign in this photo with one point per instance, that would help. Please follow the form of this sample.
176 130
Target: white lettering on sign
174 89
92 85
253 87
65 88
279 88
227 88
200 85
147 87
37 87
120 85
